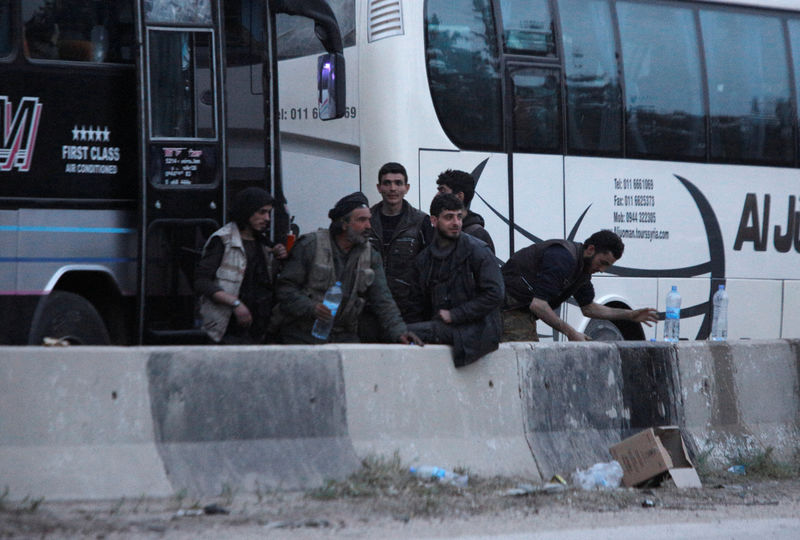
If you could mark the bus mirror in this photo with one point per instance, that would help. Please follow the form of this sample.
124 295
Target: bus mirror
331 86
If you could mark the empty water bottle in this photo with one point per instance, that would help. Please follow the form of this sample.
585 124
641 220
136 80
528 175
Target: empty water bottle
719 320
429 472
599 476
333 298
672 320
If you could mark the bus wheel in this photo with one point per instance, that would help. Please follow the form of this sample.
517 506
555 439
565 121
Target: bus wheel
602 330
69 317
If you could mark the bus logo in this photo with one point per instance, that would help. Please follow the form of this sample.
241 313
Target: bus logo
19 132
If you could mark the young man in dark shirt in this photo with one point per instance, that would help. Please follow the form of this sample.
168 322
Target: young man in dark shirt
462 185
399 233
540 277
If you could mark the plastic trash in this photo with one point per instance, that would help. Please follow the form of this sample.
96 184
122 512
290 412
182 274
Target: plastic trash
599 476
429 472
737 469
719 318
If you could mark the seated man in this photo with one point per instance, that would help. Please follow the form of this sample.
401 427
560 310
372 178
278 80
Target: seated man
540 277
457 287
318 260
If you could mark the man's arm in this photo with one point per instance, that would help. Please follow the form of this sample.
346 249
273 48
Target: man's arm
598 311
383 305
543 311
290 282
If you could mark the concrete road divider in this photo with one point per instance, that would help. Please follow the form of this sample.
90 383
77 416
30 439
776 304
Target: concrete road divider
105 422
413 401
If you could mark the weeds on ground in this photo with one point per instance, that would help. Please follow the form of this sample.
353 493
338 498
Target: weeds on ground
762 464
389 478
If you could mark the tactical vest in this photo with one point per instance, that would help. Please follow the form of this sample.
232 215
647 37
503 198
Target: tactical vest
322 276
229 277
521 269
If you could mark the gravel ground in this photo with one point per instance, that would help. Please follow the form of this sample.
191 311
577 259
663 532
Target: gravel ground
386 502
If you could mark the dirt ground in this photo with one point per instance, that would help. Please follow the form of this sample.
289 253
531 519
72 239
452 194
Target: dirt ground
386 502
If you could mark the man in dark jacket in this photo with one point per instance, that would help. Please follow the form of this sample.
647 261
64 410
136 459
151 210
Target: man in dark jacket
318 260
458 287
462 185
540 277
399 233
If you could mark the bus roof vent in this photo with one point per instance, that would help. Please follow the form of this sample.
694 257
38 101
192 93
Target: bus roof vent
385 19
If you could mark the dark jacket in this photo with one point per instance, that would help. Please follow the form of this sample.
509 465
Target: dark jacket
521 271
473 224
472 290
295 312
412 235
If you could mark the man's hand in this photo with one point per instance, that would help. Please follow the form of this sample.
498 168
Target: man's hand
279 250
410 338
243 316
444 314
321 311
647 316
574 335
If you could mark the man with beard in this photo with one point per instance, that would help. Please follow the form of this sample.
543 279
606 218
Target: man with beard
458 288
462 185
540 277
320 259
236 273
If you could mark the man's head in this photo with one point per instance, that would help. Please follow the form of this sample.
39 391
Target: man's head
601 250
393 183
459 183
251 208
446 211
350 217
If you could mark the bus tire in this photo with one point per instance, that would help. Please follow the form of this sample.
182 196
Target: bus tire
602 330
70 317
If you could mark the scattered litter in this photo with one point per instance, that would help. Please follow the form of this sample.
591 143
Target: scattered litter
54 342
209 509
212 509
310 523
528 489
648 455
599 476
191 512
429 472
737 469
648 503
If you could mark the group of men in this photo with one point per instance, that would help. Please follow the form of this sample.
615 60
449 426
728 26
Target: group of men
406 276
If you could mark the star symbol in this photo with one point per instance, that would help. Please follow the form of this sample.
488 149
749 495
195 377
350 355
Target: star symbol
75 132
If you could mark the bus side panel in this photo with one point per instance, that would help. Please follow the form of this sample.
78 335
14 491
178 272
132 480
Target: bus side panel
84 143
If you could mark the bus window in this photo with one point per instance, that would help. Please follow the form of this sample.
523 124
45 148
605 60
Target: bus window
79 30
537 111
181 85
528 27
663 83
748 86
594 100
794 34
463 71
5 27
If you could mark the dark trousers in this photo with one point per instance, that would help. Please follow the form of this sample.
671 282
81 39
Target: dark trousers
434 332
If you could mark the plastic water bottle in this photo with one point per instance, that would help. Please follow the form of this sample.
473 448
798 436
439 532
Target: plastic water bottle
672 321
719 321
599 476
333 298
430 472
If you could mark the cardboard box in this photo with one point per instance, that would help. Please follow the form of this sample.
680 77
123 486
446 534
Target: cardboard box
653 452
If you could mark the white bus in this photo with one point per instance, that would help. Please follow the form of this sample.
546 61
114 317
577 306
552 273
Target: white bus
672 123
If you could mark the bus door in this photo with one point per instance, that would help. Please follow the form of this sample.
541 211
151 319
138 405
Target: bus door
182 160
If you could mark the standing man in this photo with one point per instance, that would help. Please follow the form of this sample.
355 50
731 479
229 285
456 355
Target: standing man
458 287
462 185
399 233
540 277
341 253
236 273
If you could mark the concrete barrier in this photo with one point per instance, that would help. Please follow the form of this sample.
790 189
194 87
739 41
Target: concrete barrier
414 402
76 423
104 422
